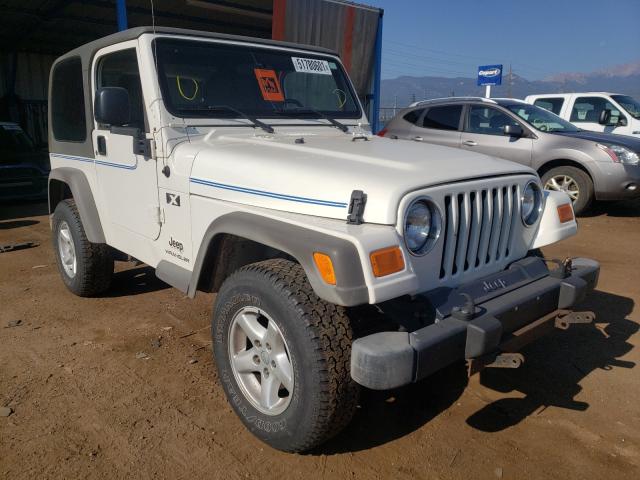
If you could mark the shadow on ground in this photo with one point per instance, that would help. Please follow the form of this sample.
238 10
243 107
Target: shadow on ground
626 208
134 282
8 225
22 209
555 366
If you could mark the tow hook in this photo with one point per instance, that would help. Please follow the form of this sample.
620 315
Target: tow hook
564 267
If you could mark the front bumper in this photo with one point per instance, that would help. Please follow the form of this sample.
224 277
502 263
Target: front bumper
472 321
617 181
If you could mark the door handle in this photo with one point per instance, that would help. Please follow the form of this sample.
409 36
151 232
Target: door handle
418 138
102 145
470 143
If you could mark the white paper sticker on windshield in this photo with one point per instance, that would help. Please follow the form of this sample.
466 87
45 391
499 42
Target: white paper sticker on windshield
311 65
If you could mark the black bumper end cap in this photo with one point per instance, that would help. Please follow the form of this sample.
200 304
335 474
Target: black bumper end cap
383 360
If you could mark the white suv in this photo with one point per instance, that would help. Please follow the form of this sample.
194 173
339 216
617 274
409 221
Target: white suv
596 111
239 166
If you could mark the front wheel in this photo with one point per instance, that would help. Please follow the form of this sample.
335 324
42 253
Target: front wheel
574 182
283 356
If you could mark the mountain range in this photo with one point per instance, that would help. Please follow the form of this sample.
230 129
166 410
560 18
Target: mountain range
406 89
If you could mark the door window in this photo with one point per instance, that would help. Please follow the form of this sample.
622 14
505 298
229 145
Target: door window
443 118
588 109
413 116
487 120
120 69
552 104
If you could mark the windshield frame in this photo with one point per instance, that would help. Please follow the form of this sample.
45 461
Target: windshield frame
515 105
277 115
617 97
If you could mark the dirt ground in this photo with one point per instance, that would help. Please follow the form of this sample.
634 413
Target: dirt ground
95 395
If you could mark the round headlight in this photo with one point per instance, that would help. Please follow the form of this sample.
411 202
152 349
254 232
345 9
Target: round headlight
421 226
531 207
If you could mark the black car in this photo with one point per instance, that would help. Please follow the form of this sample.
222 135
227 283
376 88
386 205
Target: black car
24 169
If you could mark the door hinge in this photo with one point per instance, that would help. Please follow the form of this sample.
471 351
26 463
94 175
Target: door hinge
144 146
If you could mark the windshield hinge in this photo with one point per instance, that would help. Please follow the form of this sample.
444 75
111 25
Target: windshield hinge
356 207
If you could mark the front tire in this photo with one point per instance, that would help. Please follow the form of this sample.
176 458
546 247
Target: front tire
283 356
86 268
574 182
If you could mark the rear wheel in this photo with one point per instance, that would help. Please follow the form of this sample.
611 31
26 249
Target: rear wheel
574 182
283 356
86 268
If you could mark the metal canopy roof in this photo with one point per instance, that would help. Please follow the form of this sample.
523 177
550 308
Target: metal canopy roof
57 26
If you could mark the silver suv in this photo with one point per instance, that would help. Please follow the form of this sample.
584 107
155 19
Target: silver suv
586 165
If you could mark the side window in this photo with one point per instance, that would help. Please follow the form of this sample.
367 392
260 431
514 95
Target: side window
120 69
487 120
443 118
552 104
588 109
413 116
67 102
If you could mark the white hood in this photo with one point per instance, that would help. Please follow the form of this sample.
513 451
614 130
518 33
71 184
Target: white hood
317 177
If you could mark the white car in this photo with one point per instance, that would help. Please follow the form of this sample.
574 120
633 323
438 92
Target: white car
596 111
242 166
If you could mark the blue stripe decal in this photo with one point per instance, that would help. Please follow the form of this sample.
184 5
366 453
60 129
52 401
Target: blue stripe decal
262 193
92 160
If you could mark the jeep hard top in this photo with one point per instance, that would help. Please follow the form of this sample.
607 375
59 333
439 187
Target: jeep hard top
340 259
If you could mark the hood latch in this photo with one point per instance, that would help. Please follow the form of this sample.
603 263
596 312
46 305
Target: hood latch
356 207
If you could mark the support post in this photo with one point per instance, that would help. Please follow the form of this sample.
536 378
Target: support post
375 113
121 14
487 91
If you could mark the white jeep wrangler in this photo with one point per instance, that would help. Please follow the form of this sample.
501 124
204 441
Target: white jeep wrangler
245 167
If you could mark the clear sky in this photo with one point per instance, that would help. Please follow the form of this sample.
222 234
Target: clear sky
538 37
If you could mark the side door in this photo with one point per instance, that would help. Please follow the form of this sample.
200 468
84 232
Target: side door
440 125
126 174
586 113
483 132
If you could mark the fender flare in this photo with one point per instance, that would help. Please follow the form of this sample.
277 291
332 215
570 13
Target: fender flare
298 242
77 182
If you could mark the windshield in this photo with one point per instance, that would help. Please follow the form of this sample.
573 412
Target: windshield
14 139
541 119
211 80
630 104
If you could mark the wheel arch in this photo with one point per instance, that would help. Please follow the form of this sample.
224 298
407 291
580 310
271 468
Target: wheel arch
67 183
240 238
564 162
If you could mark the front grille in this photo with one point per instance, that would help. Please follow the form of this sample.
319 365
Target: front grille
478 228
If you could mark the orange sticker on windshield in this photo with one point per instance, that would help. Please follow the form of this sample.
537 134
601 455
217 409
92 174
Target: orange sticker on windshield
269 85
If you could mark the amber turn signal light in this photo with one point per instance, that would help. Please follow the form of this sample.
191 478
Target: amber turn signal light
565 213
386 261
325 267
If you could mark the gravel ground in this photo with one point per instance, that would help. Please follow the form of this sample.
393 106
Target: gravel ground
124 386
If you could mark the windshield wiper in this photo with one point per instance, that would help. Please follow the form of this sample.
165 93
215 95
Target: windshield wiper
253 120
332 121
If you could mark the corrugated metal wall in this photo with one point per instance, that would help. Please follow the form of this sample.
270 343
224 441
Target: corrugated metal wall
349 29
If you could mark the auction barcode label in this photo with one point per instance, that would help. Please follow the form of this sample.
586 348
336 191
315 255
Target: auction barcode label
311 65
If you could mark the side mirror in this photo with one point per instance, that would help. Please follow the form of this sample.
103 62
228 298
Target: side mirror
513 130
622 121
111 106
605 117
